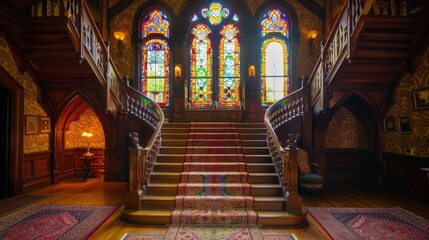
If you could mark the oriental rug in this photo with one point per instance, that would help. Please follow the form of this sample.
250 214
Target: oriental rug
16 203
43 221
209 233
370 223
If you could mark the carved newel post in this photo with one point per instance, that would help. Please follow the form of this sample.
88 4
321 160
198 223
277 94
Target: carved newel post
293 199
136 185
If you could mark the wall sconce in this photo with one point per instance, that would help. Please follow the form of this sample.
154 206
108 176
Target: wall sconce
178 71
119 36
252 71
87 135
311 35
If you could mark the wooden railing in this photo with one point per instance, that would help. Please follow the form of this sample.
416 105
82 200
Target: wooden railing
141 158
285 159
119 97
337 48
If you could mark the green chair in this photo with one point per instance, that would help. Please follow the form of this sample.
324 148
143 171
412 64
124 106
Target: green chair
309 173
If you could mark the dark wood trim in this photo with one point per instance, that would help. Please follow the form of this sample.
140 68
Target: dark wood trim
404 174
36 170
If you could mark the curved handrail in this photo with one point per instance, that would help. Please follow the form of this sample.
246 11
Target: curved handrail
285 159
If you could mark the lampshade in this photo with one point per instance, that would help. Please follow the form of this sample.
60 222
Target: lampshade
119 35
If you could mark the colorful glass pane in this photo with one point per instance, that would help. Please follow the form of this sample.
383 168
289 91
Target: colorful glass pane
201 68
274 22
155 22
156 71
215 13
235 18
194 18
229 67
274 70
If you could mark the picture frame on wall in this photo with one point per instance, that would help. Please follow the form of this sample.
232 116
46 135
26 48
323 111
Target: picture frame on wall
31 125
45 125
421 99
405 124
389 124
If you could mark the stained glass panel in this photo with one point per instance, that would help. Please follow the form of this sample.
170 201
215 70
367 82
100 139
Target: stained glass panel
274 22
155 22
215 13
201 68
274 71
156 71
229 67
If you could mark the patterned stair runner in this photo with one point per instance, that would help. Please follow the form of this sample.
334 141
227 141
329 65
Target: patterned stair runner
214 186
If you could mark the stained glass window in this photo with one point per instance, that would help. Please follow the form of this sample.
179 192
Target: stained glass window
275 57
229 67
155 22
155 70
155 57
274 22
215 13
201 67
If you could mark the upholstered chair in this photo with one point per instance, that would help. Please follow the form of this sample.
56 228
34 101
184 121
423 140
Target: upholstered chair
309 173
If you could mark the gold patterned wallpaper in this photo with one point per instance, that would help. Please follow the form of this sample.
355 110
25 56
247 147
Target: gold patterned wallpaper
32 143
418 140
346 131
87 122
124 22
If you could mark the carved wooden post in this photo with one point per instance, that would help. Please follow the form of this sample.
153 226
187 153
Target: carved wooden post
293 199
135 180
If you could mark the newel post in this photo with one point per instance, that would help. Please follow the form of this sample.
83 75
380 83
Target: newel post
136 186
293 199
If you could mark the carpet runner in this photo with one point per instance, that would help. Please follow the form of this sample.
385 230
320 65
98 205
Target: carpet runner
214 186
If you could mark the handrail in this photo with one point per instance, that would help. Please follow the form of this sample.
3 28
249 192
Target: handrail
335 50
285 159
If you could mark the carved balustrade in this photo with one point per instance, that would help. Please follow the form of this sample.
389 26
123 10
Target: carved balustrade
285 159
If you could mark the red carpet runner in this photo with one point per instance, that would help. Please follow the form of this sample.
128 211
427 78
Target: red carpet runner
214 186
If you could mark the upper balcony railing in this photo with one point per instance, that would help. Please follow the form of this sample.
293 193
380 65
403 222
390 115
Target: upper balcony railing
337 48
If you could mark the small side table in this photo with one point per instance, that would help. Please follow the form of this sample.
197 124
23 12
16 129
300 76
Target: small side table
86 165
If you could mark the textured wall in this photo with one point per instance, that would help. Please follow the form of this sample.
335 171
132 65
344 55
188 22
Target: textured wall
87 122
32 143
123 22
346 131
418 139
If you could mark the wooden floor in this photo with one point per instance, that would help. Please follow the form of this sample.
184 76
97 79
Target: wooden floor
344 194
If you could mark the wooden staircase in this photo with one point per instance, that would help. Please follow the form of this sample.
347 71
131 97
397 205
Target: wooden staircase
159 201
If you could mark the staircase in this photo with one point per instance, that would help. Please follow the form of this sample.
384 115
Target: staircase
213 174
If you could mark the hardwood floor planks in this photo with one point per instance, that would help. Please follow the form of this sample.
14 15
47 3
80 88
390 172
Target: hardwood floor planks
335 194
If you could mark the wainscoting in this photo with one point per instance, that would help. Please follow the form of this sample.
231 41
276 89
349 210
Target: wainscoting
404 174
36 171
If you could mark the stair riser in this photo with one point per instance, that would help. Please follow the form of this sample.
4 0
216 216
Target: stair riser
181 158
253 143
257 151
179 168
172 191
271 179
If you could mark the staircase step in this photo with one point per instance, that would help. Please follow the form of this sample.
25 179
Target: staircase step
174 177
253 136
260 167
214 217
254 143
256 150
173 143
174 136
257 158
270 203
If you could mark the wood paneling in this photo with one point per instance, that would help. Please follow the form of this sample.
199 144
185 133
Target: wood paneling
344 164
36 170
404 174
70 163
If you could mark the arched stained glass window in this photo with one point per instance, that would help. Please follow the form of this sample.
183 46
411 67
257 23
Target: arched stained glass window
155 57
274 22
275 57
201 67
155 22
156 70
229 67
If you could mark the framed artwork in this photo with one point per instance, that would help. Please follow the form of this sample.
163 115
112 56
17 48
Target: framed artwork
421 99
405 124
31 124
389 124
45 125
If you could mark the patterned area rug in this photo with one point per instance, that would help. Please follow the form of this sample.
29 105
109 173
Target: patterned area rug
370 223
208 233
41 221
16 203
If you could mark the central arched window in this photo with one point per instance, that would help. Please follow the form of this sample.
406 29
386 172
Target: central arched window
275 57
214 83
155 56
